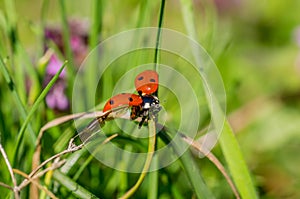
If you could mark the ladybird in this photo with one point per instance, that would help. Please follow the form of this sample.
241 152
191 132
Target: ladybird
142 105
146 82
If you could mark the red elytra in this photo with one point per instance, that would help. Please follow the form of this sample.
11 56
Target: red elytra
146 82
122 99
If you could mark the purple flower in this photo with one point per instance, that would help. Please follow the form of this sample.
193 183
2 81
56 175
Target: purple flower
78 39
56 98
54 66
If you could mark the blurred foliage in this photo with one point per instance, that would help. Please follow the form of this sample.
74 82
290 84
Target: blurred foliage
255 48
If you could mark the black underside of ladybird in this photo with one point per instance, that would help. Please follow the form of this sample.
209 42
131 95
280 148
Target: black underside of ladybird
147 110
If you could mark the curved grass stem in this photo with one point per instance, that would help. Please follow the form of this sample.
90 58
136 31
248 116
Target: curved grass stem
151 148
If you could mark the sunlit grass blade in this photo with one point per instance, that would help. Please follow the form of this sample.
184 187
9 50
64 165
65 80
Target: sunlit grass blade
34 108
236 163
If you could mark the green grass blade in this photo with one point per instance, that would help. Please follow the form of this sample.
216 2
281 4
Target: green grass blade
96 23
34 108
144 7
17 98
67 45
75 188
236 163
90 78
11 12
229 145
188 18
25 60
192 171
188 163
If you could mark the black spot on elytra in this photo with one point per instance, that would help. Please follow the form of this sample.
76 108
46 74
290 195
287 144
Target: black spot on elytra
152 80
140 78
130 99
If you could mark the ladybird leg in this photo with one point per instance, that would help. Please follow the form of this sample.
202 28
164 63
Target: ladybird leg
142 121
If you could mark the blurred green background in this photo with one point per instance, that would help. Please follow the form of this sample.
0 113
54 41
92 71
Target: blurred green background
255 44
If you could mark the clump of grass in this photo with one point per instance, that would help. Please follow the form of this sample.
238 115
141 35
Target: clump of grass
57 166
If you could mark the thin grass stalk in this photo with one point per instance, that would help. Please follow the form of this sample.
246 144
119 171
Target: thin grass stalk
153 179
158 36
153 176
151 149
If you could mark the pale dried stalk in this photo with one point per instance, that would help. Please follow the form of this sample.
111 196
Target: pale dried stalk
72 148
54 166
6 186
56 122
197 146
49 193
15 188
